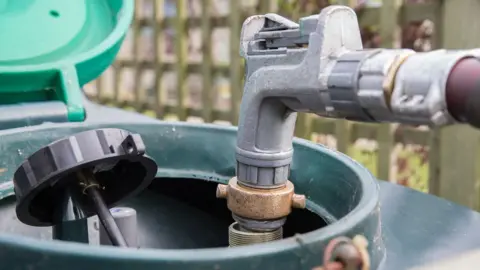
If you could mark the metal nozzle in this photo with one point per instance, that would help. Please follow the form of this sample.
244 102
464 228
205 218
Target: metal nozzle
237 236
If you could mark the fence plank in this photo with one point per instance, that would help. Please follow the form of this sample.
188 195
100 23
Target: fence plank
434 168
235 61
389 14
207 104
116 84
407 13
343 135
138 90
301 126
437 10
264 6
158 5
434 136
181 38
190 67
100 91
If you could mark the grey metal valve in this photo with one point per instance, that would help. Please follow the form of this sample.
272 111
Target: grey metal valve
288 69
319 66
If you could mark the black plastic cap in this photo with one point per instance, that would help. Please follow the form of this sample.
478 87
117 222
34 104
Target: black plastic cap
115 157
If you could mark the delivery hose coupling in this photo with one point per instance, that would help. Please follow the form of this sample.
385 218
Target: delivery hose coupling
260 204
260 209
259 213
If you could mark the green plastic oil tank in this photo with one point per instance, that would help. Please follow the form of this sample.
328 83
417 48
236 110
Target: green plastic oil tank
181 224
50 48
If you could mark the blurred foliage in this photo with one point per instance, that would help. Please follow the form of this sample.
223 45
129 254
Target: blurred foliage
415 35
413 167
365 157
411 162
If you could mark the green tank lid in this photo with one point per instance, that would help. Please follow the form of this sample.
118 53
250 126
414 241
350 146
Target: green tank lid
49 49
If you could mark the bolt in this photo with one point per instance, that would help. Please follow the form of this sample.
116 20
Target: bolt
299 201
344 251
362 243
222 191
349 256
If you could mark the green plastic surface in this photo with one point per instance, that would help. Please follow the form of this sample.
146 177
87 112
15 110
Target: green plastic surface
191 151
50 48
406 228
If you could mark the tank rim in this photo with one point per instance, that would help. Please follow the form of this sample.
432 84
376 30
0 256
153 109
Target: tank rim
368 203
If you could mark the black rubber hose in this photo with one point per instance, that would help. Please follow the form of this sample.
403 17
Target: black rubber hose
463 92
106 218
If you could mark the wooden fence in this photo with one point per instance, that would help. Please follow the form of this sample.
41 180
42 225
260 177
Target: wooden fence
175 68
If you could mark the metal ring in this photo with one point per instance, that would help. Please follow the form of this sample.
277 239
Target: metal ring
259 225
389 81
89 186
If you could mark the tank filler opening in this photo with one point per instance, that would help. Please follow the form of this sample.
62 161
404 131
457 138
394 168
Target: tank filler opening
176 213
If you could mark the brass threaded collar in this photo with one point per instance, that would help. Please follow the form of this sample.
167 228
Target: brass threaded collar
260 204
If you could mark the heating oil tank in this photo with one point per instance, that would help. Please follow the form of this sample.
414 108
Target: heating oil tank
159 179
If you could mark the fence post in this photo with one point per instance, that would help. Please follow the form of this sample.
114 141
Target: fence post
181 39
265 6
207 103
304 121
236 87
459 146
389 15
139 94
158 6
434 136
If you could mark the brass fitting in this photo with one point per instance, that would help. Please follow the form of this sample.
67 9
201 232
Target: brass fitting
222 191
260 204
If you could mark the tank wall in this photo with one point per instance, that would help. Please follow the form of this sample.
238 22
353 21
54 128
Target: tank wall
332 183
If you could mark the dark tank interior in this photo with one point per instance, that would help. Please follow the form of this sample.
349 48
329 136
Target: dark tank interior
184 214
172 213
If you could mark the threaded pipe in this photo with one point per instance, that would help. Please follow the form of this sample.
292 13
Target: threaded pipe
239 237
